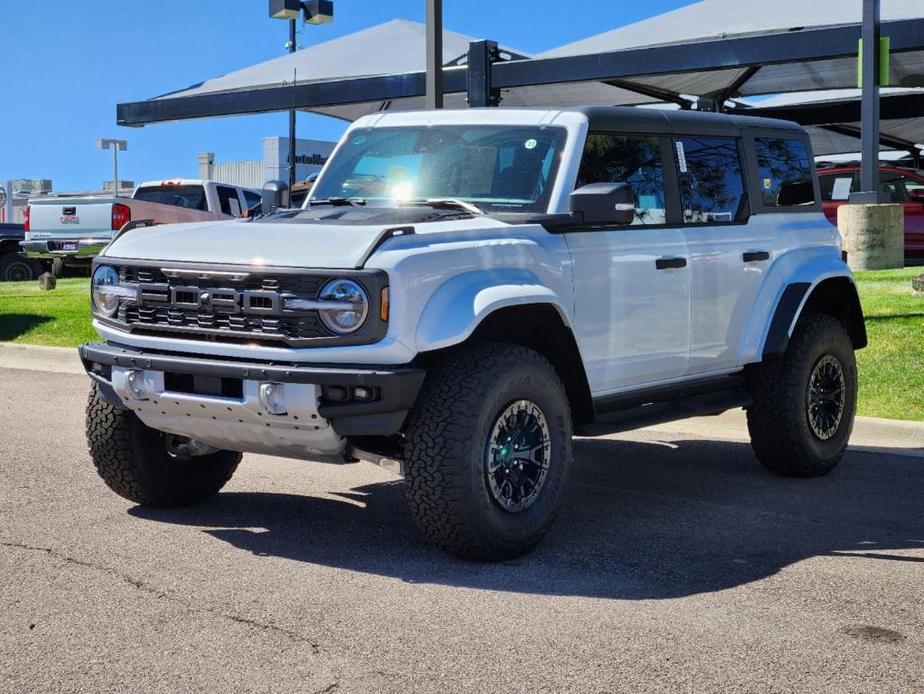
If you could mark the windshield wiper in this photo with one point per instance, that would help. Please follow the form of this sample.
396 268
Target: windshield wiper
337 202
445 203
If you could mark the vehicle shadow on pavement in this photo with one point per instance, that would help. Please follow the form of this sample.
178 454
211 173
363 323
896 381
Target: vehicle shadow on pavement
641 520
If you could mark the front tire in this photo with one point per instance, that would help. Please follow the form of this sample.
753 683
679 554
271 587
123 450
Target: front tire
133 460
805 402
488 451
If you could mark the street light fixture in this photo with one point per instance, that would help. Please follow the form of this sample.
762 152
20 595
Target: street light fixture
116 146
316 12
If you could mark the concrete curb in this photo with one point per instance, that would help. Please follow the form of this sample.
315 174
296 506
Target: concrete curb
870 434
40 358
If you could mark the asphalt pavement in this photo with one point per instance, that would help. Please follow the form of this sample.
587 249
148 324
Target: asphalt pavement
678 565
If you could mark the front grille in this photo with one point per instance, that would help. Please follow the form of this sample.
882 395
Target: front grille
216 306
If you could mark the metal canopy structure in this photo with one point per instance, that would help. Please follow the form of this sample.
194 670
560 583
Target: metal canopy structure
833 118
713 50
379 68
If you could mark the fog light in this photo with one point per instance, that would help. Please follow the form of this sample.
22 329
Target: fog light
273 397
363 393
336 393
135 381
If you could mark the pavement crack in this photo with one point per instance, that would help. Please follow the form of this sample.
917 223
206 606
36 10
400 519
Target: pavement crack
150 590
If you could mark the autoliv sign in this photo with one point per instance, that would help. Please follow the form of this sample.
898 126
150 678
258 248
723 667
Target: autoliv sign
314 159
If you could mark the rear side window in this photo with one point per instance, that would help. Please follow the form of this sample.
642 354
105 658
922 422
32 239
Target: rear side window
252 199
784 172
228 200
837 186
711 184
190 197
628 159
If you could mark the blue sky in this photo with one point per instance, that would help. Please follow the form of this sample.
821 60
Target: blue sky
67 64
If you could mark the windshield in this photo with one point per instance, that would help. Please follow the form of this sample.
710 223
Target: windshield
498 168
191 197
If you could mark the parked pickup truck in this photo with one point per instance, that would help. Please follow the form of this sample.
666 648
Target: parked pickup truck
13 267
77 228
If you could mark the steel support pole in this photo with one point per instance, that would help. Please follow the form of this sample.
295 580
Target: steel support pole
434 54
869 118
291 114
481 93
115 168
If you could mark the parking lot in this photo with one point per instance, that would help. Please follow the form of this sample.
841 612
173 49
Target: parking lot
678 564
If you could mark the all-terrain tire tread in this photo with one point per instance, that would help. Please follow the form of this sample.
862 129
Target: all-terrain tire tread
436 434
122 452
776 385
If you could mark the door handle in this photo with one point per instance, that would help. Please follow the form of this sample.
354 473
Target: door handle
755 256
669 263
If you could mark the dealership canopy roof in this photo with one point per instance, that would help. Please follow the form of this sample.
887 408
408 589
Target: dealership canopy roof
393 48
717 49
833 118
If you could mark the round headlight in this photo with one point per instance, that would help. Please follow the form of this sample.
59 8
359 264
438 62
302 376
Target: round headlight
106 301
353 306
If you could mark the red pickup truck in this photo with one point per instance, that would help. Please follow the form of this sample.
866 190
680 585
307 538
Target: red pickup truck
904 186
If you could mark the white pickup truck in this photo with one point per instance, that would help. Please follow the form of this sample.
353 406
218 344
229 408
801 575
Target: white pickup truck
76 229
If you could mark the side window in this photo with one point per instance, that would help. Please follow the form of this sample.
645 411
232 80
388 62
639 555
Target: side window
252 198
836 186
635 160
894 185
711 184
784 172
227 198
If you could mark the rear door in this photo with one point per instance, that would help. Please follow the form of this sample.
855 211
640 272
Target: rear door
727 254
631 283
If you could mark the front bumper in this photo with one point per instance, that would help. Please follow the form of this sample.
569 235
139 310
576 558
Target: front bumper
219 401
67 248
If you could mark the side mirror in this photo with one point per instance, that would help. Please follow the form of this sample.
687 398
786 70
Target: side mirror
275 195
604 204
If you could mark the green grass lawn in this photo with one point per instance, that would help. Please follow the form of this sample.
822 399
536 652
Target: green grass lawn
60 317
891 368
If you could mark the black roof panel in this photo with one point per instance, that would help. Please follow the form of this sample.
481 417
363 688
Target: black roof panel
653 120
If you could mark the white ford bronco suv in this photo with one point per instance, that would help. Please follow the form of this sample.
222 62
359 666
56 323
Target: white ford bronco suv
463 292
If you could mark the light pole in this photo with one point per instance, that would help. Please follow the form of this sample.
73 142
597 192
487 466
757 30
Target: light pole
115 146
316 12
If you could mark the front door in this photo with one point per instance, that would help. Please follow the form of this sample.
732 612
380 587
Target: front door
631 284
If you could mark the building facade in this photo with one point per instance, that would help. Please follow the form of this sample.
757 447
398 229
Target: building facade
310 156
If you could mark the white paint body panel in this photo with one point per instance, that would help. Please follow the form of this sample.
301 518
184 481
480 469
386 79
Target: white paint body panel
634 325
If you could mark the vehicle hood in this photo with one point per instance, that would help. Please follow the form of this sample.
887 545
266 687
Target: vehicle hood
309 239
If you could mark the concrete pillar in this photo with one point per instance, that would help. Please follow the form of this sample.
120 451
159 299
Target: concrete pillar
874 235
206 159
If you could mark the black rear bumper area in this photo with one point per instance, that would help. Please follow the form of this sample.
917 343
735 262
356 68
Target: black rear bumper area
358 401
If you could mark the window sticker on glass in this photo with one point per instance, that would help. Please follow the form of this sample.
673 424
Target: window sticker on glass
768 183
841 190
530 143
681 158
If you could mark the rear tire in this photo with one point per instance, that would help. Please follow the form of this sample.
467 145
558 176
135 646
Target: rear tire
133 461
488 451
15 268
805 402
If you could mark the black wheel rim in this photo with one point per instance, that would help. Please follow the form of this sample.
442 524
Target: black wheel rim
517 456
17 271
825 397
